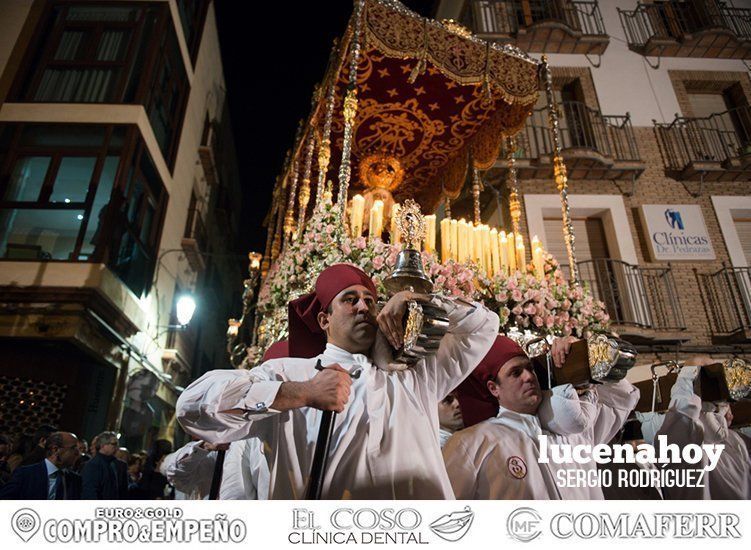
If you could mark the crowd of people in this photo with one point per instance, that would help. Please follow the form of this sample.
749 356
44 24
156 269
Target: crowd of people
57 465
465 422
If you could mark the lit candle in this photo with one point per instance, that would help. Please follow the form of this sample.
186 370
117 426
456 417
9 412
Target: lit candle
539 265
462 240
430 233
454 243
396 235
445 239
521 261
356 215
487 259
511 251
494 257
376 219
503 247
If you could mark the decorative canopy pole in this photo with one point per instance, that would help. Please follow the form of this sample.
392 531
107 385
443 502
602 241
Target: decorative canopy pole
289 218
304 197
476 187
559 171
515 208
324 143
350 110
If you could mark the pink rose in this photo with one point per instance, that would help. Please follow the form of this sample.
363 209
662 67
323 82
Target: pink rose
378 262
516 295
537 321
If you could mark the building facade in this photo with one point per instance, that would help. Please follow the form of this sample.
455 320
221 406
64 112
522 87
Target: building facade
656 128
119 192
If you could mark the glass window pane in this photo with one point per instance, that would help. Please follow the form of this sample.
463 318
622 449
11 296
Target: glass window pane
99 209
70 46
27 178
73 179
39 234
77 85
131 264
112 45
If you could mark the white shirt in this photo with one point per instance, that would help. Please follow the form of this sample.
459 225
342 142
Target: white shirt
498 458
245 474
385 442
686 422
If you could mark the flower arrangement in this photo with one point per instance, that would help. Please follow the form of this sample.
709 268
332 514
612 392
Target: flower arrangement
547 306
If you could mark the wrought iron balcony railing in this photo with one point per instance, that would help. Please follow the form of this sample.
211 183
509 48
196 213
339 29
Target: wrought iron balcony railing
194 241
717 147
596 146
635 296
728 300
555 26
701 28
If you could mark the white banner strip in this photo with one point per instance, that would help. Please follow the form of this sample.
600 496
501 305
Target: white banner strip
439 524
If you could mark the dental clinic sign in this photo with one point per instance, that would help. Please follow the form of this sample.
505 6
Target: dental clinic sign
676 232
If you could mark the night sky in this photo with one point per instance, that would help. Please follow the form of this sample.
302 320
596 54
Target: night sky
273 54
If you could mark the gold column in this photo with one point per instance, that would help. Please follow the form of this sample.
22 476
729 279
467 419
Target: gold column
350 111
276 246
304 198
559 172
514 203
289 218
476 186
324 143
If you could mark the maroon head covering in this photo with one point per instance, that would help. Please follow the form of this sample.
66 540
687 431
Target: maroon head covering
276 351
475 399
306 338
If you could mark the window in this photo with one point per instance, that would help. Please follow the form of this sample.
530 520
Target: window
55 185
86 53
137 223
80 193
192 17
97 52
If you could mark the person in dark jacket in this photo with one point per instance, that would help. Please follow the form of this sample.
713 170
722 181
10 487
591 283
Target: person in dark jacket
152 484
48 479
104 476
37 454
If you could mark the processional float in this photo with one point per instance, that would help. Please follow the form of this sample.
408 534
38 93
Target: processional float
412 109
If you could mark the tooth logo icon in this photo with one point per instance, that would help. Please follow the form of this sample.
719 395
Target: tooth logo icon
452 527
25 523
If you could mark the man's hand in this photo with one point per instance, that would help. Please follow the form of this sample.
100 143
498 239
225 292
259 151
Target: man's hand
560 348
391 318
205 445
329 389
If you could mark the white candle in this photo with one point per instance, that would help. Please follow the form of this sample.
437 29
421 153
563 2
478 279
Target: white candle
539 264
376 219
356 215
511 251
445 239
494 250
430 233
454 243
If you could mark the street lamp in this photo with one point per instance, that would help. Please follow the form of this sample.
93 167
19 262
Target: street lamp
186 306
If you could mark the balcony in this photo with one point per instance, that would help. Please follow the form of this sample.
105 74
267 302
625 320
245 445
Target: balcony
594 146
553 26
727 300
208 152
194 240
642 301
701 28
713 148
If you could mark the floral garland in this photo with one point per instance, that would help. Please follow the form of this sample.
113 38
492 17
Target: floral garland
548 306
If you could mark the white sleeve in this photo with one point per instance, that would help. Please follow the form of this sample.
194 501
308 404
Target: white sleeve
563 411
201 406
190 467
683 399
472 330
615 401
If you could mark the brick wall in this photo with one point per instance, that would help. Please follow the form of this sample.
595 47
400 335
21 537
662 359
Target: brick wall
685 82
653 187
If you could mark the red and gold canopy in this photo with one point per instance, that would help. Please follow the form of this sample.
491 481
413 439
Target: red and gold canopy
466 95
